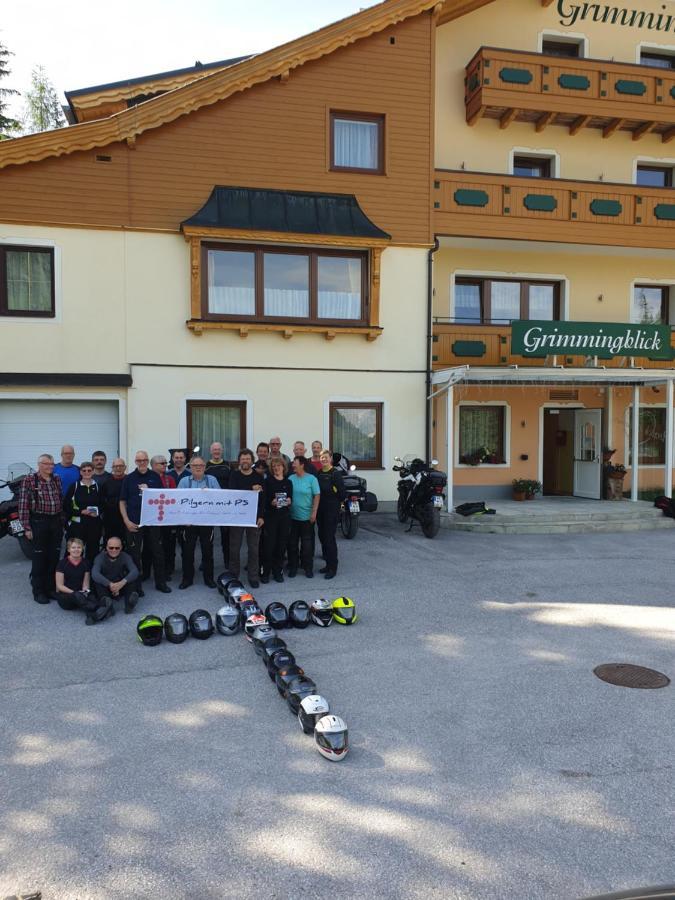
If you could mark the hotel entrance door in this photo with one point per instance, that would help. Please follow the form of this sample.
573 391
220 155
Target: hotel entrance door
587 453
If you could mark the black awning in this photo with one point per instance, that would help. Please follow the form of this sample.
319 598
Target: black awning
297 212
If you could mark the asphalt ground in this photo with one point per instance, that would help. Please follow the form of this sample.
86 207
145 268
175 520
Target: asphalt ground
487 761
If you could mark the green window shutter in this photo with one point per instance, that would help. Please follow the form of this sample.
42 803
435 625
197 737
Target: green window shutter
606 208
466 197
574 82
516 76
540 203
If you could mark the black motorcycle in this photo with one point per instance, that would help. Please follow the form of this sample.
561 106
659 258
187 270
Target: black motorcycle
420 494
358 497
9 511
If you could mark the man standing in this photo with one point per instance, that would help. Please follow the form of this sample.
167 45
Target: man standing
315 461
245 478
99 460
113 526
67 472
262 451
41 514
178 467
304 506
220 470
167 534
275 450
114 574
131 497
198 480
299 449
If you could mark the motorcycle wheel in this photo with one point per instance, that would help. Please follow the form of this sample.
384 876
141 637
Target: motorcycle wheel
430 521
400 509
26 547
349 524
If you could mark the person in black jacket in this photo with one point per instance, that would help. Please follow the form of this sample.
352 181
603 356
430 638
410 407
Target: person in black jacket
245 478
278 495
332 494
82 510
218 467
113 526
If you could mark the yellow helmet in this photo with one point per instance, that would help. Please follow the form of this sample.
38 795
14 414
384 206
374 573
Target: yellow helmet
344 611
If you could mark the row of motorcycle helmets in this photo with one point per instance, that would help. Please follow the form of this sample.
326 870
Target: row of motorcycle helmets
298 689
176 627
232 617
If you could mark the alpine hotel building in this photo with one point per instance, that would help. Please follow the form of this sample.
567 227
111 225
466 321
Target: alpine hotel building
431 227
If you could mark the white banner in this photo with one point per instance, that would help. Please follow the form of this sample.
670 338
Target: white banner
199 507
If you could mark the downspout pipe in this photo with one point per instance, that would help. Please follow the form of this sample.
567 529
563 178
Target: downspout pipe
430 306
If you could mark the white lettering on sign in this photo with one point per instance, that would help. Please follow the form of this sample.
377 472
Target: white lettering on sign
571 13
535 339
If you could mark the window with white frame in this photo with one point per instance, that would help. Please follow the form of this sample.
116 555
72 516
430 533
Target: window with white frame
651 436
482 434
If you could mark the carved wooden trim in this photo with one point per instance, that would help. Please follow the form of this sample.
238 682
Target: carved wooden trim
330 332
195 278
279 237
375 270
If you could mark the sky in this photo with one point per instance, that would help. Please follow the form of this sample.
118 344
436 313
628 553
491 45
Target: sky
83 43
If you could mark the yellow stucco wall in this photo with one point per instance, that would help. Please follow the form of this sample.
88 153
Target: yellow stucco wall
519 25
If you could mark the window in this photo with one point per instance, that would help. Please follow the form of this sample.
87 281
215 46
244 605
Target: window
282 285
481 435
493 301
656 59
356 432
650 304
651 436
654 176
357 143
26 281
532 166
561 47
217 420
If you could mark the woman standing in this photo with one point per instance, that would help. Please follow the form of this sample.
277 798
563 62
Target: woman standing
278 495
332 494
82 510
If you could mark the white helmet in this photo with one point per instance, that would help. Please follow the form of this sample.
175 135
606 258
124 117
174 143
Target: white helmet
251 623
321 612
331 736
312 708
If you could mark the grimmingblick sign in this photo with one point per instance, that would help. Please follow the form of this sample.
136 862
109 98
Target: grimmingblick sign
573 13
605 339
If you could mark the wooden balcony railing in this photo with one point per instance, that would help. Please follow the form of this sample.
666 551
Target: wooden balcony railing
455 344
551 209
517 86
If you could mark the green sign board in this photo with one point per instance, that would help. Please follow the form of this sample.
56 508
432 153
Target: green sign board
604 339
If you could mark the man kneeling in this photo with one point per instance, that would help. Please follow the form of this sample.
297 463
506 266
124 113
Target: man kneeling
73 582
114 574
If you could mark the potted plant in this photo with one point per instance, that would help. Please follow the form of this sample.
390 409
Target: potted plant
607 454
532 487
519 486
615 477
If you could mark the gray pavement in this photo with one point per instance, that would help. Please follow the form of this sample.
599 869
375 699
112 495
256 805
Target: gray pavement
487 760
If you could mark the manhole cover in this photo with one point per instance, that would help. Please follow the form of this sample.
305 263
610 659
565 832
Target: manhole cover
626 675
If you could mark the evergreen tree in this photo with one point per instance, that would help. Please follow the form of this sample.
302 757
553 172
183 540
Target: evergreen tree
7 124
43 110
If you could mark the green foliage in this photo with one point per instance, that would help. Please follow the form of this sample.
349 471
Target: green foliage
43 109
527 486
8 126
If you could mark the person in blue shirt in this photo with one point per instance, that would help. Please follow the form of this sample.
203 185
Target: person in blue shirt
198 480
304 506
67 471
131 498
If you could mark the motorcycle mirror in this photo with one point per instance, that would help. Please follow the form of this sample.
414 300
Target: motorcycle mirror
397 459
196 450
352 468
434 462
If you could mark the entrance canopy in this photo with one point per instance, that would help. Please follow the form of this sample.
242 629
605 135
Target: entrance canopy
443 382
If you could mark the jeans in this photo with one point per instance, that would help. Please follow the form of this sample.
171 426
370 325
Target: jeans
134 540
327 522
301 532
203 534
47 538
252 541
277 529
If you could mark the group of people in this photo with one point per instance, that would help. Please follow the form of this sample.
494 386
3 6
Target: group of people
109 553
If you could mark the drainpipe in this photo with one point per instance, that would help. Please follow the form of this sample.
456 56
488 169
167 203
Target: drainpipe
430 306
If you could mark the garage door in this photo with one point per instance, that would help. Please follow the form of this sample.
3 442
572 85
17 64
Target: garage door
31 427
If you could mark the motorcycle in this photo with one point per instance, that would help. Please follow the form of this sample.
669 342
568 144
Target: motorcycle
9 509
358 497
420 494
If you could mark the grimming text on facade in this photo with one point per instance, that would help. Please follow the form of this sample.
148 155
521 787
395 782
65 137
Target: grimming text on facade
571 13
531 338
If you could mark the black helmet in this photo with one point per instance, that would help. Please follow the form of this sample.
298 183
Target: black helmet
224 580
228 619
250 608
270 648
299 689
277 615
150 630
321 612
201 624
261 635
286 676
298 614
176 628
279 660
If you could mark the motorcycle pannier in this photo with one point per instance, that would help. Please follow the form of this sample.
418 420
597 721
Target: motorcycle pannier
370 503
353 483
438 479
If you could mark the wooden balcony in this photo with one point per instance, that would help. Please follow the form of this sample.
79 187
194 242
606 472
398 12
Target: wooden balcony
470 204
490 345
515 86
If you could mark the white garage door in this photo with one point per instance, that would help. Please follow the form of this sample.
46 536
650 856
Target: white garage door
31 427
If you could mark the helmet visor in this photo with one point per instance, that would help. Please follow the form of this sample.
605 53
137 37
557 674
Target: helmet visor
337 741
345 612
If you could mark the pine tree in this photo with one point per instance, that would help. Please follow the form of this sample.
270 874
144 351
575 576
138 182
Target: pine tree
43 110
8 126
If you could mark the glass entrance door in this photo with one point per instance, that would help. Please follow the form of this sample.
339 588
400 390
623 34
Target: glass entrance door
587 453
